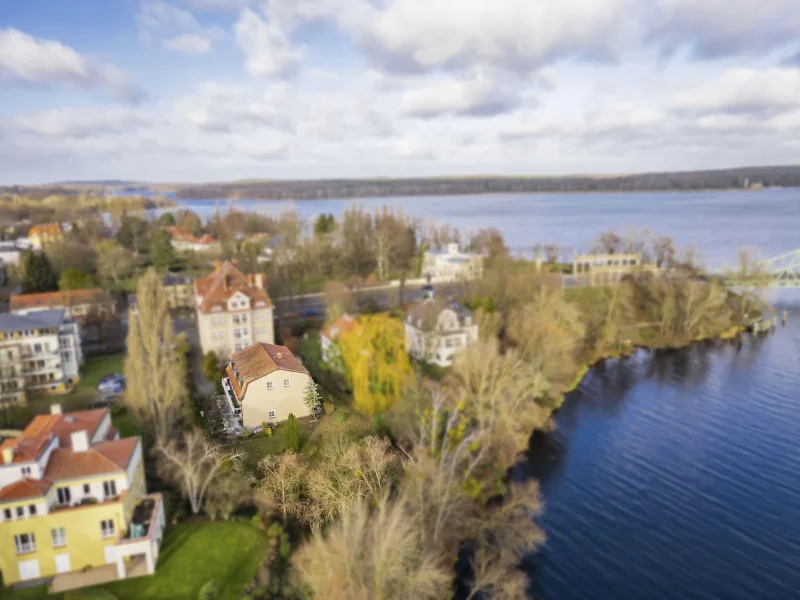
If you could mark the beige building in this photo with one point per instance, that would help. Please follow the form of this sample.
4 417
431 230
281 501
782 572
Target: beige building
233 310
265 384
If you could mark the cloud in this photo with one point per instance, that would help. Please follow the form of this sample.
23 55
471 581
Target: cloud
34 61
749 91
478 96
267 45
178 29
189 43
217 5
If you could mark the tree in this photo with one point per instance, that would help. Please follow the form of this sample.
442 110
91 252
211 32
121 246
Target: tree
283 482
37 273
72 253
192 463
312 398
191 222
162 254
376 362
114 261
75 279
166 219
155 369
338 300
292 434
211 365
132 233
325 223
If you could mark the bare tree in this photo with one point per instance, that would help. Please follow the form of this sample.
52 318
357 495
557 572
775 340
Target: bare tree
283 482
193 463
155 370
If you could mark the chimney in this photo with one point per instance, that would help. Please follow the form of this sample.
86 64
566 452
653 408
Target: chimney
8 455
55 409
261 281
79 441
217 265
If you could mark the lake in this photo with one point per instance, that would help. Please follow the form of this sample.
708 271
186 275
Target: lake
672 475
718 224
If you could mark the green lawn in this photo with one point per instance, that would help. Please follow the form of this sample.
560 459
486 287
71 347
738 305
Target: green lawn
192 554
97 367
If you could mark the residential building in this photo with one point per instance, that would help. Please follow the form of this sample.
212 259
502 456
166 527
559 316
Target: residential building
233 310
42 235
72 497
451 265
184 241
9 253
437 329
78 304
179 290
39 351
330 334
265 384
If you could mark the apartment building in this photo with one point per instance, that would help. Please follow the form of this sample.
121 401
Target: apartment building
72 496
77 304
233 310
38 351
265 384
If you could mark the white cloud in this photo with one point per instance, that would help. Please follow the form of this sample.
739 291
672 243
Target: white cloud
217 5
267 45
35 61
178 29
189 43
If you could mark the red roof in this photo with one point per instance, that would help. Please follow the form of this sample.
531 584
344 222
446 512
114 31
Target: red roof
258 360
342 325
57 299
99 459
24 488
88 420
217 288
180 234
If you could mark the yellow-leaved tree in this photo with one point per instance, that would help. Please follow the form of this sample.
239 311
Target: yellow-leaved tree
376 362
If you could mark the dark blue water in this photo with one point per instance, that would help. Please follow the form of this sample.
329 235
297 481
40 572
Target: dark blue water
672 475
676 475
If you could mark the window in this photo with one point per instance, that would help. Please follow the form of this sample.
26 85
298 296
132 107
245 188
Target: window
107 527
24 542
59 536
271 414
217 320
286 382
37 347
7 514
32 510
20 511
109 488
64 495
270 385
87 488
26 471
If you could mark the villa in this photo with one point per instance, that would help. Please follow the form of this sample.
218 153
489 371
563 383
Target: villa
437 329
451 265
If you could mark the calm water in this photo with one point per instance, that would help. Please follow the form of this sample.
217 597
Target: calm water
671 475
716 223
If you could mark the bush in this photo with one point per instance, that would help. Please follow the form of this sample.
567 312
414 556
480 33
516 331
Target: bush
341 417
209 591
292 434
266 430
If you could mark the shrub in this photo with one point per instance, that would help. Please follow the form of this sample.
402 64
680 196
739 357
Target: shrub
341 417
209 591
292 434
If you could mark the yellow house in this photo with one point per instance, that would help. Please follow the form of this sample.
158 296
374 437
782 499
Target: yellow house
41 235
73 499
265 384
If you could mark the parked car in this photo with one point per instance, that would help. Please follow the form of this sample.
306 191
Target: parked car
112 384
428 291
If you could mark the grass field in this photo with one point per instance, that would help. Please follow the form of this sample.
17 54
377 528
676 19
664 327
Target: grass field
228 553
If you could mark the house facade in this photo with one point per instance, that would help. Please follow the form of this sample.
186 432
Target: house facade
451 265
77 304
39 351
184 241
72 495
40 236
265 384
329 335
9 253
437 329
233 310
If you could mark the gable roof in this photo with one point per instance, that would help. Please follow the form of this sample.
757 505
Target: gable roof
45 229
24 488
342 325
57 299
99 459
88 420
259 360
427 312
216 289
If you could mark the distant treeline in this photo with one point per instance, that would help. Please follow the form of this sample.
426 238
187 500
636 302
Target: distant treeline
741 178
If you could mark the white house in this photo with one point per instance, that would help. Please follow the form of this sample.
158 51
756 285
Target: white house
451 265
437 329
9 253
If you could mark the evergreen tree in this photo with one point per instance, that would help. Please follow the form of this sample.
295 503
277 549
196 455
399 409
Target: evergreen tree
312 398
162 254
166 219
292 434
38 274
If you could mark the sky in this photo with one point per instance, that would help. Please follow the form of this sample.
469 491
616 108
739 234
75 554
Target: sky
212 90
